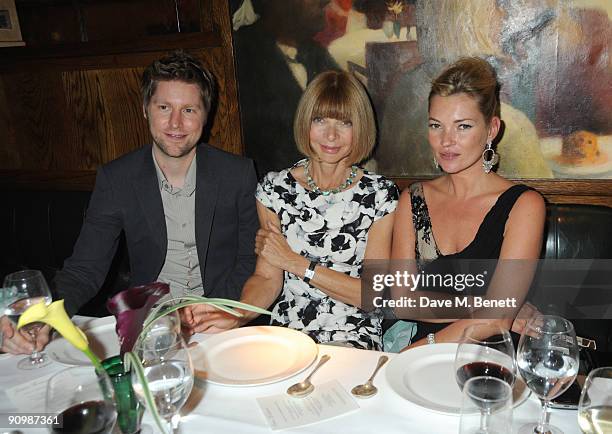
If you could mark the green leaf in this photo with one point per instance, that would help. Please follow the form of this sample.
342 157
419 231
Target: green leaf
177 303
234 303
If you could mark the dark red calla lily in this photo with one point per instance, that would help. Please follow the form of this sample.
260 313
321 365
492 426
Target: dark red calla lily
131 307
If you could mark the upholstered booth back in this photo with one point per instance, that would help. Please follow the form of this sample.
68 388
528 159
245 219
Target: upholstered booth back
581 232
578 232
38 230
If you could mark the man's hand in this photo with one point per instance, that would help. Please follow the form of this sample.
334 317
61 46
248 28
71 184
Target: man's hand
203 318
19 342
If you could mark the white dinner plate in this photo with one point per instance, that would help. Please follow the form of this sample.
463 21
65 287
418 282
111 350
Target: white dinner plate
102 339
551 151
253 356
425 376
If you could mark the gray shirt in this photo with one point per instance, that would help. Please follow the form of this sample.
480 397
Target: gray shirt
181 269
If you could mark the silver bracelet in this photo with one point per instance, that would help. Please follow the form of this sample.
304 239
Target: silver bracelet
431 338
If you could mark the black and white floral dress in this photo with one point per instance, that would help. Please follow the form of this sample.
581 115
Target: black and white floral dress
331 230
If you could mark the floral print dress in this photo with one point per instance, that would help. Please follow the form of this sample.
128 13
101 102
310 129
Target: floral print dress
331 230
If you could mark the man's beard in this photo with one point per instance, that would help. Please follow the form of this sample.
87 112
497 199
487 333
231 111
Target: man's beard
182 150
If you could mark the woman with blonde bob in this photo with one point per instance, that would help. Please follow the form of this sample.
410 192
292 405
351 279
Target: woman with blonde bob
320 219
469 212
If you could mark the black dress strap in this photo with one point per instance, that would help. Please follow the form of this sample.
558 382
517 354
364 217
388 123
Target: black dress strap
489 238
505 203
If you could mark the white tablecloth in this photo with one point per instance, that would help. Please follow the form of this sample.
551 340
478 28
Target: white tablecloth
233 410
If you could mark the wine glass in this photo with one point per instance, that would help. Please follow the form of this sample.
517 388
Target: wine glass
547 359
31 288
7 297
485 350
167 368
486 407
83 398
595 408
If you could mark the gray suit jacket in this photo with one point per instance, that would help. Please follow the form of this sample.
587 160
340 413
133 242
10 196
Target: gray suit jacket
127 198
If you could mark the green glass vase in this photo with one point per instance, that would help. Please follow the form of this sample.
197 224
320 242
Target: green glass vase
129 409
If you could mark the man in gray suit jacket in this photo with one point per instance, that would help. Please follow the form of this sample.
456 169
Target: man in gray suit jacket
187 209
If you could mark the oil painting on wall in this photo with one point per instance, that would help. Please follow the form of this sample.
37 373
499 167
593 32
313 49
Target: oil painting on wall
553 58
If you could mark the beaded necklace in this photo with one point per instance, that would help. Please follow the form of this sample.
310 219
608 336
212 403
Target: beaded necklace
315 188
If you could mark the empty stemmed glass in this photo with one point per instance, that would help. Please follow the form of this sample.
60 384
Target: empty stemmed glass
168 370
30 288
547 359
485 350
595 408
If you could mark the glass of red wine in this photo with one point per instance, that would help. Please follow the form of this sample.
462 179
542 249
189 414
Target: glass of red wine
485 350
29 288
83 401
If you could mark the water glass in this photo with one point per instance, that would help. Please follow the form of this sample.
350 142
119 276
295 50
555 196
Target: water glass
7 297
547 359
30 288
168 371
595 407
486 407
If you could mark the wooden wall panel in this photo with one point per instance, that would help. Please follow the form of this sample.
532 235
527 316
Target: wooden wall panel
125 126
588 192
65 111
83 104
225 132
9 157
39 123
228 129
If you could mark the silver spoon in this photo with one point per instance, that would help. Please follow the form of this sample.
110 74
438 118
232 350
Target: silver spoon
368 389
303 388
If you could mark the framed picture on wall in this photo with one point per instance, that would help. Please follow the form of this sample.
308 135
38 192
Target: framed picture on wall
10 32
552 59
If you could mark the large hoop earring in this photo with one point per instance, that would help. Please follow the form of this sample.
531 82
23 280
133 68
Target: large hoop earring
488 163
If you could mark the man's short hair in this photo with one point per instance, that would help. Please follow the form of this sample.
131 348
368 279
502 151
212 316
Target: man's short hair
338 95
178 66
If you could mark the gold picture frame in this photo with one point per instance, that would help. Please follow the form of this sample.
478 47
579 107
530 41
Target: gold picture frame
10 32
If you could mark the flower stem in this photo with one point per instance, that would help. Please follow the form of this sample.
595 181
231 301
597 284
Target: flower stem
94 359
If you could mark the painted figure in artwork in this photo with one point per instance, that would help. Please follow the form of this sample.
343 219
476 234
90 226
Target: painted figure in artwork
277 57
553 57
